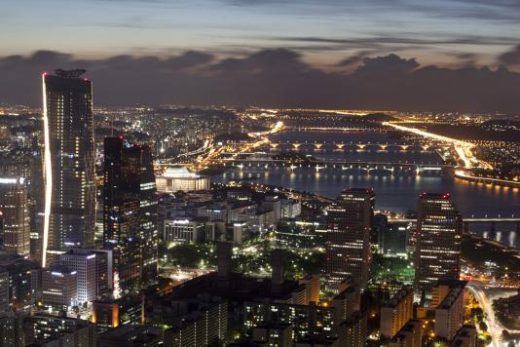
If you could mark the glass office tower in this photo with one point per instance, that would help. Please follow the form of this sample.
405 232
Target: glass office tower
69 155
349 222
130 214
439 235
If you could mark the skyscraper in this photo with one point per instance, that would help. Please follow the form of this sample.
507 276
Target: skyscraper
349 222
69 154
14 215
439 232
130 214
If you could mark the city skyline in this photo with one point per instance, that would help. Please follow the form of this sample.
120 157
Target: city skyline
268 181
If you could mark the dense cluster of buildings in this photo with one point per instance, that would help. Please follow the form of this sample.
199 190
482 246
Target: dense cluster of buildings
236 215
63 284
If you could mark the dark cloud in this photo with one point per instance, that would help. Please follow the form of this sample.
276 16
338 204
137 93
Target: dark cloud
511 58
272 77
466 59
354 59
387 65
264 60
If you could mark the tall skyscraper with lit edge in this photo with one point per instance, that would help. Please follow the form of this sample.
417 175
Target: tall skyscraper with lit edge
130 214
349 222
439 235
69 158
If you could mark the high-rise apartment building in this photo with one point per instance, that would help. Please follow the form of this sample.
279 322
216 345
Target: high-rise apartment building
130 214
439 232
15 225
349 222
69 157
449 314
396 312
4 291
409 336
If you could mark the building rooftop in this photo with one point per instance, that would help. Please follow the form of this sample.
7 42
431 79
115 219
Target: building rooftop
398 297
443 196
179 171
129 332
451 298
237 287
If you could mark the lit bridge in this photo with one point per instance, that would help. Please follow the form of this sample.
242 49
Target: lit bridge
335 129
365 166
347 146
492 221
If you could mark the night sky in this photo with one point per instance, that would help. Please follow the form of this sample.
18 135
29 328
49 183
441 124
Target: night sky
460 55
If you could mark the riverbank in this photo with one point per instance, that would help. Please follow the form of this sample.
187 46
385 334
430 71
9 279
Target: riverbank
461 174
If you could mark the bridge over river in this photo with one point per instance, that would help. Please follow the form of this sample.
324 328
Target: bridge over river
333 163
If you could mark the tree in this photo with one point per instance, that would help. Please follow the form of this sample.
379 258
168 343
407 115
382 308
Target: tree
483 326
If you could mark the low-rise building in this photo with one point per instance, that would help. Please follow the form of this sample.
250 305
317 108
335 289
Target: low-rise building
85 266
60 331
130 336
184 230
60 286
267 335
178 178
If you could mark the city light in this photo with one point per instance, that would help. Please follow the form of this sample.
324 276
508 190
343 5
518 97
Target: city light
223 192
48 175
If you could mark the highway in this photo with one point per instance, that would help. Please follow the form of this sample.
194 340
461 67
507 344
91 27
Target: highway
464 175
463 148
485 300
206 146
468 220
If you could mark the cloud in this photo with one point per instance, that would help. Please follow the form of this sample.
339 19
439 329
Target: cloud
402 40
511 58
390 64
484 10
354 59
272 78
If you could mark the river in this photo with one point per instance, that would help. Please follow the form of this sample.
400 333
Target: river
394 192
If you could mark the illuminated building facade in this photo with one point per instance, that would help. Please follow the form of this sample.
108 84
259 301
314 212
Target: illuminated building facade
4 291
61 331
69 156
184 230
176 178
439 232
130 214
108 314
349 221
200 327
14 216
84 263
449 314
60 286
